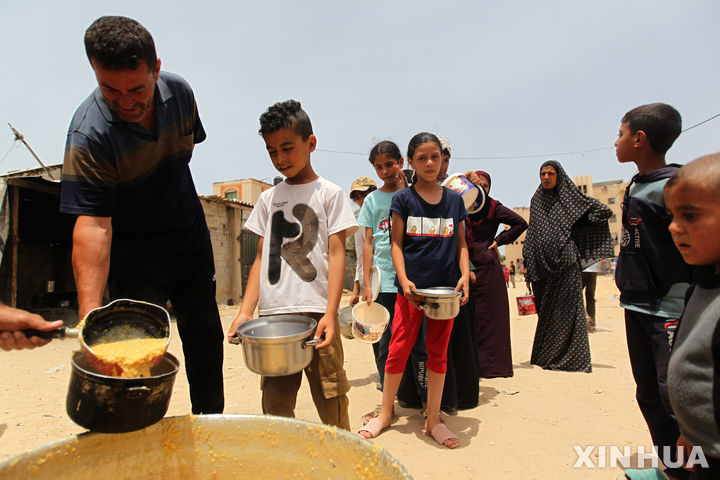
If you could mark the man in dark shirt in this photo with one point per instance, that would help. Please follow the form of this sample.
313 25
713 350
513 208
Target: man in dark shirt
140 227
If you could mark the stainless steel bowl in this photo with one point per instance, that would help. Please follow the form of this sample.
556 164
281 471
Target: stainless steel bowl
439 303
219 447
277 345
346 320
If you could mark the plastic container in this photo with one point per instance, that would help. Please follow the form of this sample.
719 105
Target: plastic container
464 187
369 321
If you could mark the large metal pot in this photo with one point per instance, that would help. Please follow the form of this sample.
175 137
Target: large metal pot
215 447
277 345
111 404
439 303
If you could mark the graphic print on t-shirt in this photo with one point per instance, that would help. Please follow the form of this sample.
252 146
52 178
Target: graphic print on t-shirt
295 252
384 224
430 227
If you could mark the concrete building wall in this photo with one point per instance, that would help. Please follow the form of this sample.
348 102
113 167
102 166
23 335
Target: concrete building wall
225 219
246 190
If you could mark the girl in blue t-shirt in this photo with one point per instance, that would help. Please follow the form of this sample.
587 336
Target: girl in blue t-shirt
428 250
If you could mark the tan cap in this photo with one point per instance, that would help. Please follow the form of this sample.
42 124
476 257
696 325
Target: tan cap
362 184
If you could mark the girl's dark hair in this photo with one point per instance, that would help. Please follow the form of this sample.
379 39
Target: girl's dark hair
386 147
119 43
419 139
287 114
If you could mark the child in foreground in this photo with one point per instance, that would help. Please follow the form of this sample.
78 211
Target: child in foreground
428 250
692 196
300 268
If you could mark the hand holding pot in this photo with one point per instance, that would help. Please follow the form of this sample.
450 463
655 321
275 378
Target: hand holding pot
408 292
326 326
464 287
239 320
13 319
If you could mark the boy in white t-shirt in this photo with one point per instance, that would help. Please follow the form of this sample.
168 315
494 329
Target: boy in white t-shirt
300 263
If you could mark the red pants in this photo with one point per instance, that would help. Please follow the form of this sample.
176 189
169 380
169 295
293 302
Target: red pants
405 326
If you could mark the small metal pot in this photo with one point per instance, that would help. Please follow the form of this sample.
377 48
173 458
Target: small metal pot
439 303
345 319
110 404
121 319
277 345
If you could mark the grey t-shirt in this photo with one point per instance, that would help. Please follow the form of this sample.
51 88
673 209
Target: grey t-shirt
694 369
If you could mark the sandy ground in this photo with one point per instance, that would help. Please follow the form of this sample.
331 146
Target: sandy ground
524 427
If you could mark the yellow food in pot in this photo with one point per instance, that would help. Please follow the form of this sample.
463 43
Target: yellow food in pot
135 357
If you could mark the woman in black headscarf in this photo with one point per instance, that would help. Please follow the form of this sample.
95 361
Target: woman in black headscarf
488 293
568 232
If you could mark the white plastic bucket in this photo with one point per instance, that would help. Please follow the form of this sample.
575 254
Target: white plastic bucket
369 321
464 187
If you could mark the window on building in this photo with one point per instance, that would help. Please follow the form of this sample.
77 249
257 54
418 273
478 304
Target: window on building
612 200
612 219
231 195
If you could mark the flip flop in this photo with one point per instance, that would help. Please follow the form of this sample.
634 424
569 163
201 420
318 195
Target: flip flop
376 413
441 434
370 415
374 427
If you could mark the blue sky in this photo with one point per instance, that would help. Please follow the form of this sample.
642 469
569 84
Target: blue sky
497 79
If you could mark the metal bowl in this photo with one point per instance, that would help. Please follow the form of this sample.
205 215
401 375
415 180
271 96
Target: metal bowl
219 447
277 345
345 319
439 303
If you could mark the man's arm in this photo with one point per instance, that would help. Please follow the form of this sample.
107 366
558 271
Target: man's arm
92 238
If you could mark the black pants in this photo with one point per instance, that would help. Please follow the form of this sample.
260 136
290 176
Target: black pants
589 282
189 283
649 348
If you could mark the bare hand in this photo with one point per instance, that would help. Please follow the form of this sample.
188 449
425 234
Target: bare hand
464 287
401 177
494 246
239 320
354 298
326 325
473 278
12 320
408 290
367 295
472 177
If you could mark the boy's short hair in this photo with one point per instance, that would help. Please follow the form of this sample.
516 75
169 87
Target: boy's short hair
661 123
701 173
287 114
119 43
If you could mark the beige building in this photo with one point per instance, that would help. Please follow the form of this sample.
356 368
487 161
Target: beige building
610 193
245 190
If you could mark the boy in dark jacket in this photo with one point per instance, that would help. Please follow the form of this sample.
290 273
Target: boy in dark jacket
651 274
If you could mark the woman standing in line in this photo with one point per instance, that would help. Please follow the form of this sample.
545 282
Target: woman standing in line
487 291
568 231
